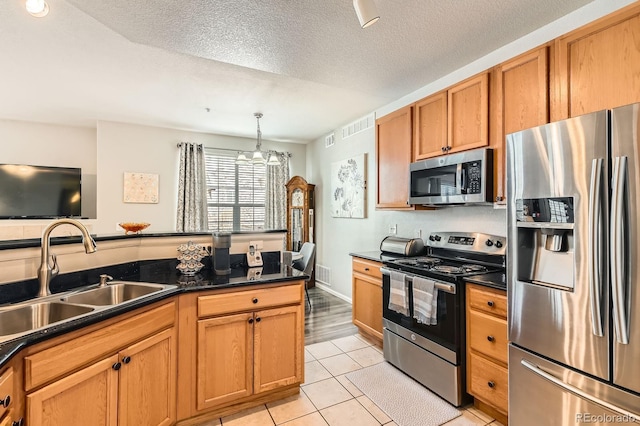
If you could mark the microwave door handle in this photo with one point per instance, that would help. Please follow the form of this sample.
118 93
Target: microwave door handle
617 254
595 246
459 179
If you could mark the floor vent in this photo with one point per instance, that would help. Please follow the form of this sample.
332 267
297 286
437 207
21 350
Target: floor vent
323 275
330 140
358 126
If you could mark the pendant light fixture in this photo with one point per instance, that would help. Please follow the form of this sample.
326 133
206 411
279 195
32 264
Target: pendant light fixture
258 156
37 8
366 11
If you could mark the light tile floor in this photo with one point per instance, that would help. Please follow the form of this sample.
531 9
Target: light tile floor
328 398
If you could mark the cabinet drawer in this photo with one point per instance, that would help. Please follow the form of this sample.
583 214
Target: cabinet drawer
487 300
489 382
367 267
488 335
6 389
217 304
59 360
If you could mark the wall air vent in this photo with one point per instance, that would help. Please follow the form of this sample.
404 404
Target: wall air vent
323 275
358 126
329 140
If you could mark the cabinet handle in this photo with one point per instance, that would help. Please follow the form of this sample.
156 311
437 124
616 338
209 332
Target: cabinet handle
443 149
255 300
19 422
499 198
366 269
250 320
116 366
490 338
258 319
491 384
6 401
126 359
490 303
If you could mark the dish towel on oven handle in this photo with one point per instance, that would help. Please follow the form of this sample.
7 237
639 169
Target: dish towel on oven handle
398 293
425 301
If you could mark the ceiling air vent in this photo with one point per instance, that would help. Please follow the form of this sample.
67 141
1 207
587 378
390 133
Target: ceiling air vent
358 126
329 140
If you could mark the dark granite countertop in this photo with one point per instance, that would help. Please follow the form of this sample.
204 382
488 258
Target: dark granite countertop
154 271
496 280
376 256
35 242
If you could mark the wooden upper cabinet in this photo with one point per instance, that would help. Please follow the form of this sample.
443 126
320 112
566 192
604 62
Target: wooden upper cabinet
599 65
519 100
393 156
468 114
430 126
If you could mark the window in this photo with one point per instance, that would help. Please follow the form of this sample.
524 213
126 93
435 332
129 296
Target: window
235 193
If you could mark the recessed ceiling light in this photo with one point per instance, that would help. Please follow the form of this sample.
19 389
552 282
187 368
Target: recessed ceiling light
37 8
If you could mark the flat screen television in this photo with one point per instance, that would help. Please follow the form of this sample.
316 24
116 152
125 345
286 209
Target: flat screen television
39 191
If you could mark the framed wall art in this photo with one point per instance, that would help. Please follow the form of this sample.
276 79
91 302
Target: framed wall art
348 187
140 188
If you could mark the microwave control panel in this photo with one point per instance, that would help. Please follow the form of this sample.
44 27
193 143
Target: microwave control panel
474 177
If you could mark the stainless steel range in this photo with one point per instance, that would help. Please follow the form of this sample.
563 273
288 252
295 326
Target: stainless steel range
423 308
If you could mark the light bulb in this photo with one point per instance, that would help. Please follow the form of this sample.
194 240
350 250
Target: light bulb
37 8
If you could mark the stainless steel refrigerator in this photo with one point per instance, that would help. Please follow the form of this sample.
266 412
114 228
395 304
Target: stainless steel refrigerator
573 270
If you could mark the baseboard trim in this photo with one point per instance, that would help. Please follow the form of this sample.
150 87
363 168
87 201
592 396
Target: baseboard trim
331 291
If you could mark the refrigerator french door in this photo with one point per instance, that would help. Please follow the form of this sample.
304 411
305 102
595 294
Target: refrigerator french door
572 269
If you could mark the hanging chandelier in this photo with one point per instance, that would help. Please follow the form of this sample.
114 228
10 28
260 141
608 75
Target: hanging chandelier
258 156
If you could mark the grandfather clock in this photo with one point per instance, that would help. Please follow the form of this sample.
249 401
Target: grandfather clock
300 208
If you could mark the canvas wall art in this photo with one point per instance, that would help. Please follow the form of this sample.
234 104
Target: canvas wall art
140 188
348 187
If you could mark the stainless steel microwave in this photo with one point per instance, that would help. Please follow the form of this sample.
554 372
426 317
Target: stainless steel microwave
461 178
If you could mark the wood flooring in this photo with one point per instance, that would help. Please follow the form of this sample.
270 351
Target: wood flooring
329 318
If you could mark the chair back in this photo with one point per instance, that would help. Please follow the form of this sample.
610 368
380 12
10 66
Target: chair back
305 264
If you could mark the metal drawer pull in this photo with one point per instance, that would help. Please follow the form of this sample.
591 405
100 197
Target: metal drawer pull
490 303
6 401
366 269
490 338
578 392
255 300
491 384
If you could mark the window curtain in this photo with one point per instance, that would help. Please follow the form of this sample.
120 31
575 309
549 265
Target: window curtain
192 189
276 195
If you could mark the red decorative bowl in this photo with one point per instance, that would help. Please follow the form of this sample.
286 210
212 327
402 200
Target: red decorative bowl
134 227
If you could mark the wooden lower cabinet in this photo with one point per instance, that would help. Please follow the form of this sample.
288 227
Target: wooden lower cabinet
367 298
246 348
487 344
134 385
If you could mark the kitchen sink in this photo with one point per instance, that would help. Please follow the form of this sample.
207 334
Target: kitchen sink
114 293
37 315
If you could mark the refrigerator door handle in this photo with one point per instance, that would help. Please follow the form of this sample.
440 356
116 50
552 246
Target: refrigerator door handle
617 254
595 246
576 391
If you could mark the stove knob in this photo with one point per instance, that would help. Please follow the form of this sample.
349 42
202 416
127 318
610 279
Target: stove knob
499 244
438 238
432 238
489 243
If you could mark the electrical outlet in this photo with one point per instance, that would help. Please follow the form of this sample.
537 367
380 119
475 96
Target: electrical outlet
417 233
258 245
393 229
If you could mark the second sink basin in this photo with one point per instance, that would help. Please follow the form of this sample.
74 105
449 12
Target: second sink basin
37 315
113 294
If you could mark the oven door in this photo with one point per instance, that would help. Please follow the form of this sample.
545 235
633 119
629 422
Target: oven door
443 339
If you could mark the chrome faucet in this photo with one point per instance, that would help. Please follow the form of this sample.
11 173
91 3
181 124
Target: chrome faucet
47 271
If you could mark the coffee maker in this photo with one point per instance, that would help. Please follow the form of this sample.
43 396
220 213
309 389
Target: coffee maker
220 254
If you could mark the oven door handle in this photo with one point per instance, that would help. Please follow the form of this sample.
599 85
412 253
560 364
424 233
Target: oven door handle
447 288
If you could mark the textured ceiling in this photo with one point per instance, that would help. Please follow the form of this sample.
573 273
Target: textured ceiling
305 64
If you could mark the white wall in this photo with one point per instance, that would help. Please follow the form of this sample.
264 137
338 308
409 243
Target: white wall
337 237
50 145
133 148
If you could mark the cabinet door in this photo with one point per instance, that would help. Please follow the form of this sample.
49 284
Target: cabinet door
599 65
148 381
430 127
278 353
520 94
367 304
393 156
468 114
87 397
224 359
